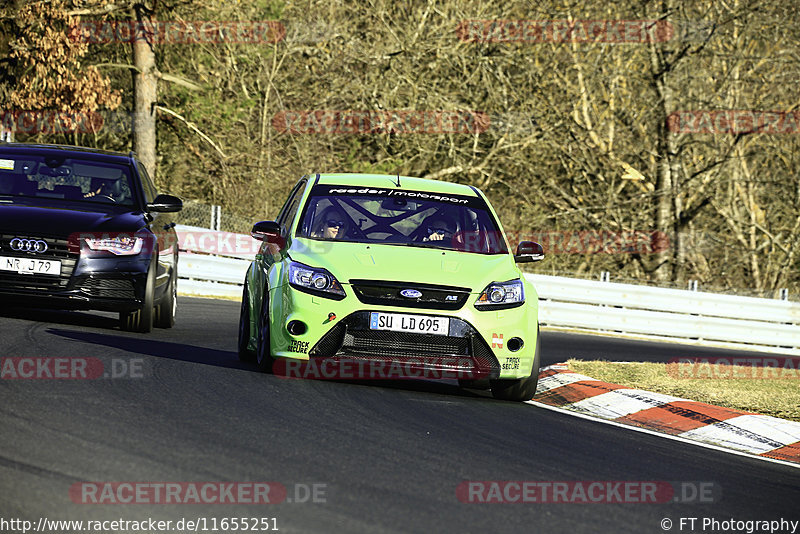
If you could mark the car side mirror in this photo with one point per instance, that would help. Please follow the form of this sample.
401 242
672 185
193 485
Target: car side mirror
528 251
165 204
269 232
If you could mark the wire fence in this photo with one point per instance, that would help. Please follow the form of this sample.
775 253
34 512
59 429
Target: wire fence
214 217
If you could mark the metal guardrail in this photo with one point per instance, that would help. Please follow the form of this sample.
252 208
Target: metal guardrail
214 263
669 300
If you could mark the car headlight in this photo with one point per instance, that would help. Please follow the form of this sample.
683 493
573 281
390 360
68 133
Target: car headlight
120 246
315 280
500 295
94 244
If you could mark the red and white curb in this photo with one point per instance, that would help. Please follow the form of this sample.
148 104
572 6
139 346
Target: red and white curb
760 435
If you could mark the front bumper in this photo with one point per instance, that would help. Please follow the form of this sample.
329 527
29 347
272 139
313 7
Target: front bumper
110 284
476 345
98 292
463 351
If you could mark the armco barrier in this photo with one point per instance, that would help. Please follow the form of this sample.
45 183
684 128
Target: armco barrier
214 264
708 318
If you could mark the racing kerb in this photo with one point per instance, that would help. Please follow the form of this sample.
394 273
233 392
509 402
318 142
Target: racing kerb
214 263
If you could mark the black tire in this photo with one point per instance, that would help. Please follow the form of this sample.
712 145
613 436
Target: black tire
264 359
141 320
245 354
521 389
165 311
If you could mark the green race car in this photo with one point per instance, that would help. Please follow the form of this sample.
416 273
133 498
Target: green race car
387 277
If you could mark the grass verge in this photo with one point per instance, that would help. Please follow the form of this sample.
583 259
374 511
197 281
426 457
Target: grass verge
773 392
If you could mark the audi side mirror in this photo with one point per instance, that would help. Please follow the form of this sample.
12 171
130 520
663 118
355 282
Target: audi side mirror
165 204
528 251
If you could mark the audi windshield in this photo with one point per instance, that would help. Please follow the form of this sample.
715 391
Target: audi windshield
64 179
401 217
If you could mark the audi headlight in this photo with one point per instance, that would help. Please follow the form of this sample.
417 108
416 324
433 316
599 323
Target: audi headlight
315 280
500 295
106 244
119 245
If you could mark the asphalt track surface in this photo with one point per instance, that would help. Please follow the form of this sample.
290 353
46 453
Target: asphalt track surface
390 455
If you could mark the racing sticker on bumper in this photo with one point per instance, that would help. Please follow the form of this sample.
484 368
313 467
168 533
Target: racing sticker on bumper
298 346
497 341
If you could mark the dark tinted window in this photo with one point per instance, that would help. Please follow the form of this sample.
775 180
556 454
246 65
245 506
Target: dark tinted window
401 217
65 179
150 192
289 209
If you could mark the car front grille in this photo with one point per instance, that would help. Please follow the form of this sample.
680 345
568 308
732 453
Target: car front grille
433 297
57 249
381 342
105 288
352 339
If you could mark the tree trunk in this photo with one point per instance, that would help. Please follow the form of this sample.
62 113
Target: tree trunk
145 97
665 191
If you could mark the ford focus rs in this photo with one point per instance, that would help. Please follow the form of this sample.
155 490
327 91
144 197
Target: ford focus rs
372 276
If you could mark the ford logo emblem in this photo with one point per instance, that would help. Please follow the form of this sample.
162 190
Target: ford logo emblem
411 293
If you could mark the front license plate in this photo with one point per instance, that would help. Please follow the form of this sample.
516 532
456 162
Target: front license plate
399 322
30 265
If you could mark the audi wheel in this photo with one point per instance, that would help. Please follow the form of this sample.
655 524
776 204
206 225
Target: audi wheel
141 320
166 309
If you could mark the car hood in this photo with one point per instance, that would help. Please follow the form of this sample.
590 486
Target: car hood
354 261
51 221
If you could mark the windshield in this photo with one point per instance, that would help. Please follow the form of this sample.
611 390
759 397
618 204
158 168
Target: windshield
68 179
401 217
